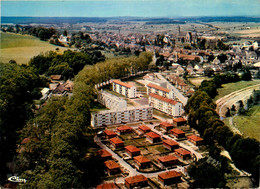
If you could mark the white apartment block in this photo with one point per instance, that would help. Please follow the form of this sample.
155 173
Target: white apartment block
111 101
131 114
156 89
124 89
165 105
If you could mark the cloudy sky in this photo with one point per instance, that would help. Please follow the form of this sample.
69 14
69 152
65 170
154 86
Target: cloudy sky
142 8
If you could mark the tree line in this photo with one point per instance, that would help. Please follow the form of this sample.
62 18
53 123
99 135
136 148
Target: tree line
67 64
203 117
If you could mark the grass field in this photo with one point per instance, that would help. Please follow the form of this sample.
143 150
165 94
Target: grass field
231 87
197 80
248 124
22 48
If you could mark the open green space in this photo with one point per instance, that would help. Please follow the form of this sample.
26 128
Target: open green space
22 48
248 124
231 87
196 81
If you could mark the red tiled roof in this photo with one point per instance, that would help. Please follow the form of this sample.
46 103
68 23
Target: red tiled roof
187 57
167 158
122 83
141 159
169 174
123 128
110 185
170 101
177 131
104 153
109 132
144 128
153 135
136 179
110 164
56 77
166 124
182 151
116 140
194 138
25 140
132 148
158 87
171 142
180 119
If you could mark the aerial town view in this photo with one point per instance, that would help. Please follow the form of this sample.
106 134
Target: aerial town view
130 94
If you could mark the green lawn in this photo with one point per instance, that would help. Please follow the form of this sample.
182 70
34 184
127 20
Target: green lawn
231 87
22 48
248 124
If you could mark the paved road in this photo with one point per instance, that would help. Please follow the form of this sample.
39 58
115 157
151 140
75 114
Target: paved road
233 98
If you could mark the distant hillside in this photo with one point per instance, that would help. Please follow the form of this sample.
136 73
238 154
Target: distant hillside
74 20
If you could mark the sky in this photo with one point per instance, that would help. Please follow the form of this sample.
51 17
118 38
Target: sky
139 8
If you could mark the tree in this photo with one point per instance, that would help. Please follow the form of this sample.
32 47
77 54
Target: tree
65 33
211 58
246 76
227 114
208 72
222 58
206 174
202 44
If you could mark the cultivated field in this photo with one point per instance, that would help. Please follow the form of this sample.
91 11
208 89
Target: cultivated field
248 124
22 48
231 87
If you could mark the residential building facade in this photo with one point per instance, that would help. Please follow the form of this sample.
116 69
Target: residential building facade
111 101
112 117
165 105
124 89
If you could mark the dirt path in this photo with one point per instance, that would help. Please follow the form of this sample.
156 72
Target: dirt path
233 98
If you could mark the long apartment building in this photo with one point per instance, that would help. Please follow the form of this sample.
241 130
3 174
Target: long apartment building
165 105
130 114
111 101
156 89
124 89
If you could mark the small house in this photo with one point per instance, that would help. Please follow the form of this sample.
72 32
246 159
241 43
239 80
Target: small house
124 129
144 129
178 133
142 162
166 161
132 150
136 181
179 121
152 137
195 140
182 153
104 154
170 144
112 167
116 143
109 185
166 126
109 134
169 177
